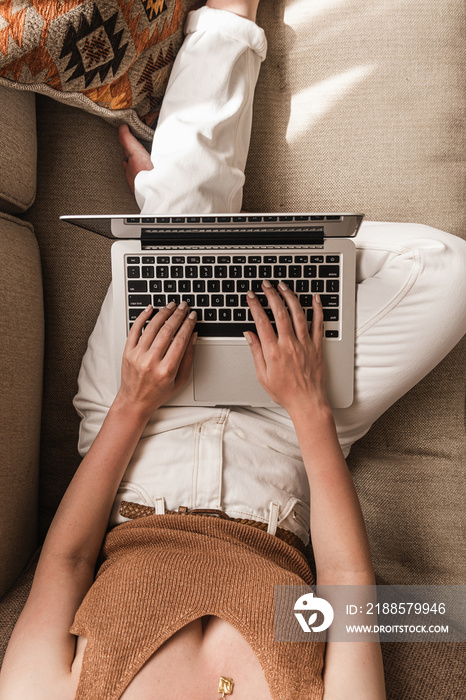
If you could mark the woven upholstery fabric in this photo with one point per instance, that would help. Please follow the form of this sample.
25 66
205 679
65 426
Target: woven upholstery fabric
22 337
111 57
362 108
18 150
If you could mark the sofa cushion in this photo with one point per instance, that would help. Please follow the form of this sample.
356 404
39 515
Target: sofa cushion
22 334
18 150
110 57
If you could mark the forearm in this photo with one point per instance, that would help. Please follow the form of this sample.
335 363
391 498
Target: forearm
79 526
338 532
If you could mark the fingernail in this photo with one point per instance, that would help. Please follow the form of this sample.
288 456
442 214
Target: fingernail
283 286
251 294
266 284
317 298
192 315
247 335
170 305
183 305
148 308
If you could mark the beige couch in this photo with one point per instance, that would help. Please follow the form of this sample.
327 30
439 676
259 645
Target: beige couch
360 106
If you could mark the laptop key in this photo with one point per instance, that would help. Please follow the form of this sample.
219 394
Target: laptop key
228 285
133 272
317 286
137 286
265 271
317 258
302 286
191 271
279 271
202 300
198 286
159 300
224 315
232 300
331 314
155 286
133 260
220 271
329 271
139 300
161 271
213 286
184 285
210 315
169 286
332 286
218 300
224 330
205 271
190 299
148 260
330 299
310 271
239 314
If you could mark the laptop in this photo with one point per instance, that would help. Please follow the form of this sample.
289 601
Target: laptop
211 261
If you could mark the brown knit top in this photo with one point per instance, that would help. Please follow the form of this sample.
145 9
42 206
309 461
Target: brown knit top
164 571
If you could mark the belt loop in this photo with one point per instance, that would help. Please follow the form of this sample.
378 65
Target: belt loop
159 505
273 517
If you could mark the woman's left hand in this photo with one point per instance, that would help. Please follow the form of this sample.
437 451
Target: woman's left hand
157 362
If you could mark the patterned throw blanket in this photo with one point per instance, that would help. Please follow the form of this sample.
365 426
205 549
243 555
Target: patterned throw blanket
110 57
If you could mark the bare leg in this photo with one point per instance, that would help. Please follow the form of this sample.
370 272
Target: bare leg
243 8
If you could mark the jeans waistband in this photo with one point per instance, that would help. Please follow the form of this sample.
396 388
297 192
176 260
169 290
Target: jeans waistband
136 510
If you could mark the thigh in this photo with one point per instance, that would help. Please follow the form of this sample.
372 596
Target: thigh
410 313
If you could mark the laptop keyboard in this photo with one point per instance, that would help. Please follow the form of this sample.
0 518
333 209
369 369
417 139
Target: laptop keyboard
215 286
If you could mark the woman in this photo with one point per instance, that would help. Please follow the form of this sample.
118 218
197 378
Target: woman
181 600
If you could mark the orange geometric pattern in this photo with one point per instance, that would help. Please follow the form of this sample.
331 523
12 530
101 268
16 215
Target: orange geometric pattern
118 53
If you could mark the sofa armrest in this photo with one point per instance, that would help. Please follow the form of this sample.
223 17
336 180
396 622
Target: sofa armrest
21 358
18 152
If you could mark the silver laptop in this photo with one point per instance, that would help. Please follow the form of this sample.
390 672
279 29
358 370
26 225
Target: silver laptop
211 261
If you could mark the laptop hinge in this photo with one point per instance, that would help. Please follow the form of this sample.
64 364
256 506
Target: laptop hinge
231 237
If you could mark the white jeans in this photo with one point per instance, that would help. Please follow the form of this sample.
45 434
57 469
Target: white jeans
410 304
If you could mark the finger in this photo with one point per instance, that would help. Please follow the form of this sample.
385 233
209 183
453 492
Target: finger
264 328
280 312
257 355
317 328
136 329
155 325
180 344
296 310
184 369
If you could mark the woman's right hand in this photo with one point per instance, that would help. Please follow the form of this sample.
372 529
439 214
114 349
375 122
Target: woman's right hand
157 362
290 364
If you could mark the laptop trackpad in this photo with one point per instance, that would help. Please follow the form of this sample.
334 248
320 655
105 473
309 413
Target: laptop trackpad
225 374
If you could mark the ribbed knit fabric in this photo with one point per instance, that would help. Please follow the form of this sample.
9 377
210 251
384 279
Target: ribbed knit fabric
163 571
